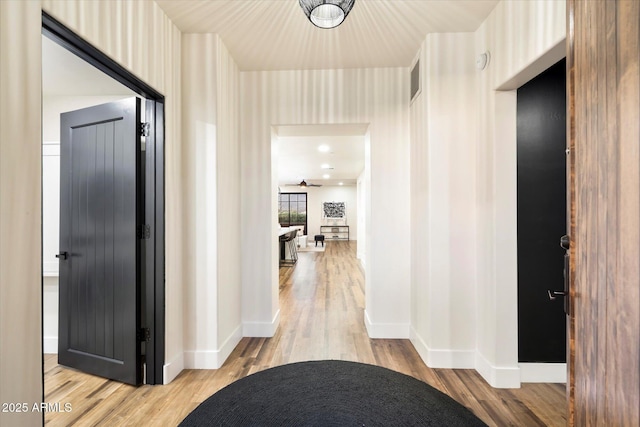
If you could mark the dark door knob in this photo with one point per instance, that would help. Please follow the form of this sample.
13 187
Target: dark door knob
565 243
62 255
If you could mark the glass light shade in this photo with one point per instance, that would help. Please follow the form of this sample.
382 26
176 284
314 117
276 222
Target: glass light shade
326 13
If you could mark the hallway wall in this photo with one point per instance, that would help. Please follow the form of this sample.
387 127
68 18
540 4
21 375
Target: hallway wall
20 219
379 97
210 111
443 206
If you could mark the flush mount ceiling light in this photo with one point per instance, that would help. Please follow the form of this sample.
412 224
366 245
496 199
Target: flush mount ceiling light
326 13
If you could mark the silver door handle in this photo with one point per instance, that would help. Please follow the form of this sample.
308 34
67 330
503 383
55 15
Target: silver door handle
554 294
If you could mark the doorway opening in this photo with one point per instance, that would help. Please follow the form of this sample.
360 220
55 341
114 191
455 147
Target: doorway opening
541 213
331 160
114 83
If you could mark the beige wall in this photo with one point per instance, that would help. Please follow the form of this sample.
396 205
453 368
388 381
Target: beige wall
20 242
443 156
212 194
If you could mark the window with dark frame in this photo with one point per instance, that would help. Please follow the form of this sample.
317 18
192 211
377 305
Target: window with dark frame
292 210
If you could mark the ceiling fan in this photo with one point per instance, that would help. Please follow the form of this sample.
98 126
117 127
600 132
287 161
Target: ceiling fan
303 184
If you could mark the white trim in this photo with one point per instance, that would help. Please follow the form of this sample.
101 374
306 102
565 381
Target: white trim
172 369
386 330
50 345
201 359
229 344
51 149
50 269
543 372
261 329
212 359
496 376
445 358
418 343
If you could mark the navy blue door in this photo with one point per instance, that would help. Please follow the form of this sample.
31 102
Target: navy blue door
100 214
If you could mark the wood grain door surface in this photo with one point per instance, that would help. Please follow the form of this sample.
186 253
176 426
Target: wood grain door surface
603 42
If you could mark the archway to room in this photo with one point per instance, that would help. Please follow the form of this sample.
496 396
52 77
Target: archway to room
331 160
78 77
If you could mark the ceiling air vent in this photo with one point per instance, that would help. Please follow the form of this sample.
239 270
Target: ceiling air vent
415 80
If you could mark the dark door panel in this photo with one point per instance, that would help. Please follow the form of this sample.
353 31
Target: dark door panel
541 131
99 217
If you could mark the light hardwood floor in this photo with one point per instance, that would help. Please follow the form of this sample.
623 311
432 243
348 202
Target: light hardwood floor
322 304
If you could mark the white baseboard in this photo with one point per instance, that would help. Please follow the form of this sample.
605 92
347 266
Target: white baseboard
261 329
173 368
50 345
200 359
543 372
386 330
229 345
212 359
444 358
497 377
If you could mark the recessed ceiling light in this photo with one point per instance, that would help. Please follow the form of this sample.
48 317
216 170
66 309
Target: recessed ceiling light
326 176
340 183
325 166
324 148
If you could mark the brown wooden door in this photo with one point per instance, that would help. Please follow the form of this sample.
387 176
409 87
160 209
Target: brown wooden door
604 193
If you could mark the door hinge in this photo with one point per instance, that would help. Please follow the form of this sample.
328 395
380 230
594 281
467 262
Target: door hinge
144 232
145 128
144 335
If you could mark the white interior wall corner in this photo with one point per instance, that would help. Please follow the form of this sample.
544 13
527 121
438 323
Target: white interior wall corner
228 176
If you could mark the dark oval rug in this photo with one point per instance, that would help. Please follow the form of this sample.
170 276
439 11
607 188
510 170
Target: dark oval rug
330 393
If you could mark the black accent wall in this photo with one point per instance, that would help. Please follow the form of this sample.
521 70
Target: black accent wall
541 130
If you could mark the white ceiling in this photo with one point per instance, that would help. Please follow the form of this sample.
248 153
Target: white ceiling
276 35
299 157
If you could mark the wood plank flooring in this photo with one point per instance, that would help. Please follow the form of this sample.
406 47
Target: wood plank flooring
322 305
